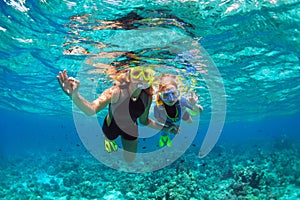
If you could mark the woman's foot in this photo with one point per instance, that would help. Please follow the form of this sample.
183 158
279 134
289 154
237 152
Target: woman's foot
110 146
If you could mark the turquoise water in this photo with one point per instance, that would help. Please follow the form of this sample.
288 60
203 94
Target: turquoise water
249 47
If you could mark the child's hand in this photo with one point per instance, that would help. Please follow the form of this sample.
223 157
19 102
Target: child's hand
174 129
193 99
171 128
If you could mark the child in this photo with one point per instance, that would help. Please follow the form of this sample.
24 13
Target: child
170 107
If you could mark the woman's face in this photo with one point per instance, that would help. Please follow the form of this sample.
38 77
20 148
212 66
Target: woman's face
169 95
141 78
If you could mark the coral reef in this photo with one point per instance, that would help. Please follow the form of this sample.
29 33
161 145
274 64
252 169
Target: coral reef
229 172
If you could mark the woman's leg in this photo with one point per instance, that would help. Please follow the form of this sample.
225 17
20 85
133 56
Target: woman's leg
110 133
130 149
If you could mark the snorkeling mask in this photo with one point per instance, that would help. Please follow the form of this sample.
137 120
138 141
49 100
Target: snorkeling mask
144 76
169 95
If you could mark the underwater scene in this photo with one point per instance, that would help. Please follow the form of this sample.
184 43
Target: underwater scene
232 67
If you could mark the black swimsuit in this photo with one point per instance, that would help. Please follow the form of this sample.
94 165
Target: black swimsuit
135 109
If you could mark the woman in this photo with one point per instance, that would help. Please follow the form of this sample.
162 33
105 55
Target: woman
170 107
128 100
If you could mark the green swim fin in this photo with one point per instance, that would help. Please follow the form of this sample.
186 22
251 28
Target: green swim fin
169 142
114 145
165 139
161 142
192 113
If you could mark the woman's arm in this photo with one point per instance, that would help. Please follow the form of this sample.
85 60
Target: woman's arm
91 108
71 86
157 115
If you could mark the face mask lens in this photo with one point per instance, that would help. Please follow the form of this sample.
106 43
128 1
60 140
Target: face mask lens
175 93
169 95
164 96
135 73
148 74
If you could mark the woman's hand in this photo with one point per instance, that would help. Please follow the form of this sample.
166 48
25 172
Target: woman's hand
68 84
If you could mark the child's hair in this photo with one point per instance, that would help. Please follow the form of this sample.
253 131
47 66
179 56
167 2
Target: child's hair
165 81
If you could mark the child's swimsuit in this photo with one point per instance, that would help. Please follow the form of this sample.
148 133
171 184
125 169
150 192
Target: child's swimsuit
173 114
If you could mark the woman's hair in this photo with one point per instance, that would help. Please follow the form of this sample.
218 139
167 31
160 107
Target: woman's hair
120 70
150 90
165 81
121 77
120 67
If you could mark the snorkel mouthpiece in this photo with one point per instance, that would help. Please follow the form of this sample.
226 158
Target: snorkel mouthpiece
142 86
169 99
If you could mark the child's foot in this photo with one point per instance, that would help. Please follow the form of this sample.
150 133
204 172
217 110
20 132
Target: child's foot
165 139
169 142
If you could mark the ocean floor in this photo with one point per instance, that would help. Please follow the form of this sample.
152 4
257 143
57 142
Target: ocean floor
248 171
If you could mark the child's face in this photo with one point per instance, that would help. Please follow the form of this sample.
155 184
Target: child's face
169 95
